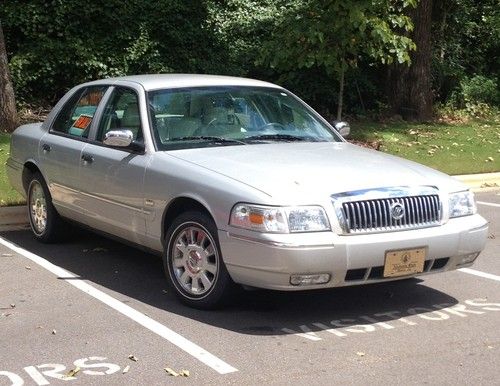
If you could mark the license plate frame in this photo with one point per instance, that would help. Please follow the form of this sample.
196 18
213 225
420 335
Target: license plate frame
404 262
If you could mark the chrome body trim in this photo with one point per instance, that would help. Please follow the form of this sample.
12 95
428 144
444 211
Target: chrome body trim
276 243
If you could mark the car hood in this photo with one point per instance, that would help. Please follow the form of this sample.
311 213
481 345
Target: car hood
291 170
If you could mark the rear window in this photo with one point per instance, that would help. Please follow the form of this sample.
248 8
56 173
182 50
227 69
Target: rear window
77 114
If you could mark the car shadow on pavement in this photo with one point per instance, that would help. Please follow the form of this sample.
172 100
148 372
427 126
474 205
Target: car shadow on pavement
139 275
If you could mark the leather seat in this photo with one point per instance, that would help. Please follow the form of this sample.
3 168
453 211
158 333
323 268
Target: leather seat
131 120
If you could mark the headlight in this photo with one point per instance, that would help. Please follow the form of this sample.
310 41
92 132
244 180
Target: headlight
279 219
462 204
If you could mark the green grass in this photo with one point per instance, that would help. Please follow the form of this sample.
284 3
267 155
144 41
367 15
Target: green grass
461 148
8 196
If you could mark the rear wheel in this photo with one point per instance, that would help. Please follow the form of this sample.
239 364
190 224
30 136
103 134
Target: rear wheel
45 222
193 262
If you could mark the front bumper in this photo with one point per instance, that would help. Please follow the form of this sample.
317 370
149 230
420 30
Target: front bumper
268 260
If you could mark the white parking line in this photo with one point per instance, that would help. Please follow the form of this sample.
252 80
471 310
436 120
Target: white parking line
488 203
479 273
191 348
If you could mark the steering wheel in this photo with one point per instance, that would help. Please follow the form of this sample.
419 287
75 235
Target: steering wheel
205 130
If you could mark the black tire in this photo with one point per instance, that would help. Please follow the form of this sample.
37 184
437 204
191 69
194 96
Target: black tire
198 274
46 224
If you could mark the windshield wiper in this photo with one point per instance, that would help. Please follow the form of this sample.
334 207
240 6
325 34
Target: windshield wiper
281 137
207 138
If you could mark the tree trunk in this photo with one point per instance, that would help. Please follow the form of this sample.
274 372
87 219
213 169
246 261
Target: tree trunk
409 88
340 104
8 114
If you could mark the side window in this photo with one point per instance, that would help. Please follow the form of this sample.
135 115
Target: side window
121 113
76 115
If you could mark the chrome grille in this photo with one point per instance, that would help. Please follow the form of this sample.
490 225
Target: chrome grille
369 211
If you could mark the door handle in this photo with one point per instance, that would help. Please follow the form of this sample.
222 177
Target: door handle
46 148
87 158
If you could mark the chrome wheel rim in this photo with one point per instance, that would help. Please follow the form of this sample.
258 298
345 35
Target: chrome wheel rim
195 260
38 207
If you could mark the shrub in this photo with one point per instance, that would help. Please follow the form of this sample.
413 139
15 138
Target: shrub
480 90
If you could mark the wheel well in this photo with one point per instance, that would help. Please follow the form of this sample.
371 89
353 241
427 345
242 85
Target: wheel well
178 206
29 169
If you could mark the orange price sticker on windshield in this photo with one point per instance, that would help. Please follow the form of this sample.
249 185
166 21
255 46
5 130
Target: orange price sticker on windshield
82 122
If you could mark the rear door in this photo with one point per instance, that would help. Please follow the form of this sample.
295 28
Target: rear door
61 148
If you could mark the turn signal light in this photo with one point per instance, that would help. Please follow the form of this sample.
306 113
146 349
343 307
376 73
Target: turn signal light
468 259
320 278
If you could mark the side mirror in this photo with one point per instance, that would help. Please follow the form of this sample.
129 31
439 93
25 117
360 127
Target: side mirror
118 138
342 128
122 138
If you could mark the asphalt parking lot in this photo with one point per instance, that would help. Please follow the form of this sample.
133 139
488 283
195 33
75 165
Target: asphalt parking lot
102 307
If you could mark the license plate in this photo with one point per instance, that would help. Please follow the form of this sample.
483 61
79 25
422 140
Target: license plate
404 262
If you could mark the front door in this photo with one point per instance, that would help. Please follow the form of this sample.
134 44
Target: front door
112 178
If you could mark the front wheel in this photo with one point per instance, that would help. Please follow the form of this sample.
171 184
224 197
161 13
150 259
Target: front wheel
193 262
45 222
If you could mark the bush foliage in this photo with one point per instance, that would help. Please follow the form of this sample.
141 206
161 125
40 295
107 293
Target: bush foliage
302 44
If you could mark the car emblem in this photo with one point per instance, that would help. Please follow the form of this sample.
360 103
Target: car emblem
397 211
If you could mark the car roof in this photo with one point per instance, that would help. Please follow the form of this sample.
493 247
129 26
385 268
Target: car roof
158 81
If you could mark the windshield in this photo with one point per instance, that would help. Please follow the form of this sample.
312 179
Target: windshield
222 116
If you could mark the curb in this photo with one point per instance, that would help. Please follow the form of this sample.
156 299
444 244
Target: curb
481 182
14 218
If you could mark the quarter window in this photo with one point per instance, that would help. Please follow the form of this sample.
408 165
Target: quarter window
121 113
76 115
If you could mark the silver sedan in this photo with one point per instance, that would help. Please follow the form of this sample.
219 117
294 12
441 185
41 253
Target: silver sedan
237 181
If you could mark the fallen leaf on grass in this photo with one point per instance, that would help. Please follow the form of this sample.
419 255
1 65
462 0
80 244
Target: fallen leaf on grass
126 369
133 358
73 372
490 159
